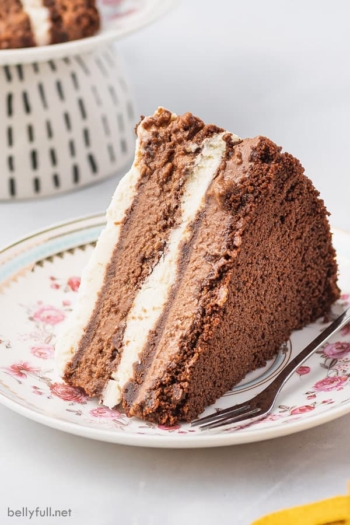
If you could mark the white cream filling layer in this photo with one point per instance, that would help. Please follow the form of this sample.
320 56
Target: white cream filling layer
94 273
149 302
40 20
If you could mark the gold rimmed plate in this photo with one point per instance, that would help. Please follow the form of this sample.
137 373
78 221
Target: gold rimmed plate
39 279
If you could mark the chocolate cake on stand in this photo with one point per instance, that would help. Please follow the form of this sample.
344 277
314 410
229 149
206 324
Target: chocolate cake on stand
28 23
67 114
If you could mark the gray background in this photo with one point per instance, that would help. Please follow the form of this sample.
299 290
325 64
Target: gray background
276 68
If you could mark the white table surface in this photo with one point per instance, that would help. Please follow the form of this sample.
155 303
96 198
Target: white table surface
276 68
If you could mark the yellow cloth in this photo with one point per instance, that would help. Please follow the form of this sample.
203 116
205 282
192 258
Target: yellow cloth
333 511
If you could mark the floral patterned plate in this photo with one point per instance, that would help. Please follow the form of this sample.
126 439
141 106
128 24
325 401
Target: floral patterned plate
39 278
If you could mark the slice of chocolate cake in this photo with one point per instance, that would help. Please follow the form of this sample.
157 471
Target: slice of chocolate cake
215 249
15 27
27 23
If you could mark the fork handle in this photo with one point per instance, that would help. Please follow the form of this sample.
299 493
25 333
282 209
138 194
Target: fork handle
286 373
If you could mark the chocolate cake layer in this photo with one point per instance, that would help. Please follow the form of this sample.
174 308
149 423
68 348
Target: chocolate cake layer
80 18
260 265
15 28
164 168
58 32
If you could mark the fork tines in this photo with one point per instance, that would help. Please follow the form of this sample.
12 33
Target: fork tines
234 414
262 404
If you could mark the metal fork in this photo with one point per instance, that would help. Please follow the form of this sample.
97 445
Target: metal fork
260 405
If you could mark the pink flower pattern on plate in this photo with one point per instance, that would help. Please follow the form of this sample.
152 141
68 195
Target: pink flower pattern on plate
331 383
68 393
74 283
303 370
302 410
272 417
104 412
43 351
21 369
37 391
49 315
345 330
337 350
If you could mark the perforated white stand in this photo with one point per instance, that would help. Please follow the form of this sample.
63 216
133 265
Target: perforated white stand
64 123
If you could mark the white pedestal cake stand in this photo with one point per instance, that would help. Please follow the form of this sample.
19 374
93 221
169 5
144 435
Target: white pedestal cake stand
66 111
